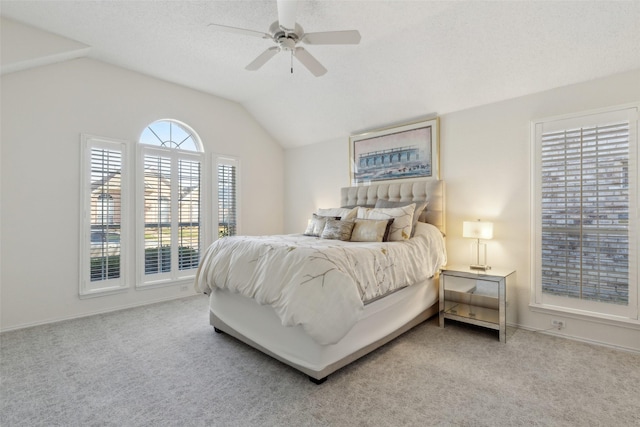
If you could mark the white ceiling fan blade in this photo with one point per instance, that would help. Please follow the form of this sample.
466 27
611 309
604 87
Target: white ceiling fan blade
262 58
235 30
287 14
310 62
333 37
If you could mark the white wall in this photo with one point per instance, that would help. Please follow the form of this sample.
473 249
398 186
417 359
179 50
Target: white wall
44 111
485 161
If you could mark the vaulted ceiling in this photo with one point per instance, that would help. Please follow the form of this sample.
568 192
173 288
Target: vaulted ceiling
415 57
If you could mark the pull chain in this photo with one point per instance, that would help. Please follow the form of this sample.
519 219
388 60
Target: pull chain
292 61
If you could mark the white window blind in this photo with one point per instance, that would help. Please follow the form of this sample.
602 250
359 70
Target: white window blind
227 197
157 214
103 220
189 202
587 213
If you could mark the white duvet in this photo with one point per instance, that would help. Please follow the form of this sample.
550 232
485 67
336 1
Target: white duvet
319 284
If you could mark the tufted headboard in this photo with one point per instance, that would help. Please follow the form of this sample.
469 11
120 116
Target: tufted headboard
431 190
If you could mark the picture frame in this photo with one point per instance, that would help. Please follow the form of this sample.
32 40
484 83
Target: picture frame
408 151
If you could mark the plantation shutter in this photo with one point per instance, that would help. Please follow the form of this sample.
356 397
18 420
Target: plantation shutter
103 215
106 188
170 214
227 189
157 214
189 214
586 196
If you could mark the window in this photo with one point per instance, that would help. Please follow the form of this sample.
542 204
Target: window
586 225
169 235
227 196
165 208
104 195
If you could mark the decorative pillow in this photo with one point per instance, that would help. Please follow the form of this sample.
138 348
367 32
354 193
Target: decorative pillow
338 229
385 238
401 227
362 212
369 230
343 213
420 207
316 225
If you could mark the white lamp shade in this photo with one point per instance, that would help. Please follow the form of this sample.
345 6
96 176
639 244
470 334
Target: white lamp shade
477 230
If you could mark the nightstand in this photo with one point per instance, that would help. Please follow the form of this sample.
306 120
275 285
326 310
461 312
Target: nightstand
475 296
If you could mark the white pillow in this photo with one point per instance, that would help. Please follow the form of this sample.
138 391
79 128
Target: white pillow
420 207
401 227
343 213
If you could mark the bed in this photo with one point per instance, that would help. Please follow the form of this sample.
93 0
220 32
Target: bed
333 322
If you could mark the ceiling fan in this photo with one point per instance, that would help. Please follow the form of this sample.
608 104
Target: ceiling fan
287 34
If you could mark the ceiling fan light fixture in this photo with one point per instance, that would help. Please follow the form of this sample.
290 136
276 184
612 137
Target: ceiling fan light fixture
287 43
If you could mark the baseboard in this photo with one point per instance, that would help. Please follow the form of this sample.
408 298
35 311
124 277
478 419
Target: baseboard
553 332
93 313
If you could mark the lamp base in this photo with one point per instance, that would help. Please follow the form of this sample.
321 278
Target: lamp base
480 267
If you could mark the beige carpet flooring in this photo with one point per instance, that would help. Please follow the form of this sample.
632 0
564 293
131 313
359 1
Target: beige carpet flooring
162 365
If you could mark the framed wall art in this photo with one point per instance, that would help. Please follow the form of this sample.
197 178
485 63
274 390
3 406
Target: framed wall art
407 151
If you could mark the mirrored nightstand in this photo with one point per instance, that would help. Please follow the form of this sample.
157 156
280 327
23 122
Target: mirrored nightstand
476 297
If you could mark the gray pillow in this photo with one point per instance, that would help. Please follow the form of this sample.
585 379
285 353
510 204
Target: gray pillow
420 206
338 230
316 225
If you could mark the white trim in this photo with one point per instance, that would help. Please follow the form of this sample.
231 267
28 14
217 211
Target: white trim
175 275
163 283
103 287
194 135
221 159
553 332
630 315
55 58
600 318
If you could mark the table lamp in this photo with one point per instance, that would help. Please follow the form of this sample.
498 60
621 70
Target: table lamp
478 230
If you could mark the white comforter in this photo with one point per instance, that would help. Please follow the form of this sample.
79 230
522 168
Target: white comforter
319 284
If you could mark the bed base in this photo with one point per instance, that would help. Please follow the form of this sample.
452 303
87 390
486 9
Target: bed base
318 377
431 190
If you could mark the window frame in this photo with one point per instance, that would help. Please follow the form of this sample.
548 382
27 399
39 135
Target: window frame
174 275
89 288
590 309
220 159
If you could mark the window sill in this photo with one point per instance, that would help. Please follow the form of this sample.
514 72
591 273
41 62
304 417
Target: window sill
102 292
166 282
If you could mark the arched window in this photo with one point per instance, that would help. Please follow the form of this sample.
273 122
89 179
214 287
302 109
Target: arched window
170 234
160 193
171 134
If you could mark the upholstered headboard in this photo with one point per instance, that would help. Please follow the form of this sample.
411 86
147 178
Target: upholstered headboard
431 190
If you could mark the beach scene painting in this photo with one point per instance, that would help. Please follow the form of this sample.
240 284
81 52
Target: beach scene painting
403 152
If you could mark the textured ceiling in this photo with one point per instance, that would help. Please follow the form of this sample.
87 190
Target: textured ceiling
415 57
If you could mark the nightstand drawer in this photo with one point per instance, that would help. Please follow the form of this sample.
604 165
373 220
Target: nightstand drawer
459 284
481 293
